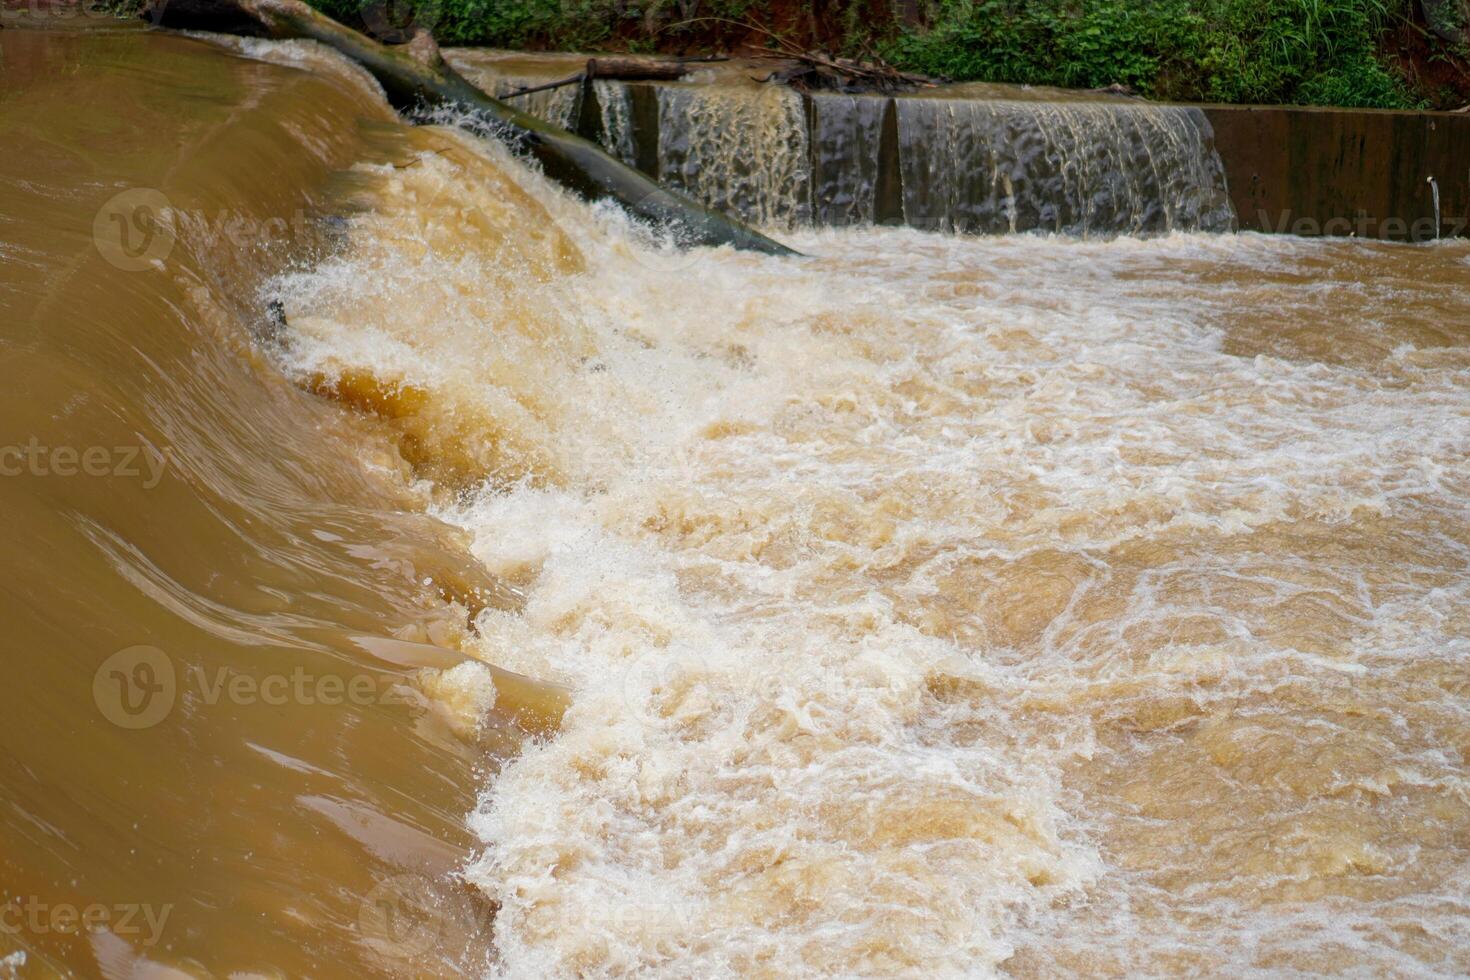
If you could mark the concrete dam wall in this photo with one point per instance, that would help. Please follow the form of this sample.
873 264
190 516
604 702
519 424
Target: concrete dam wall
981 159
1339 172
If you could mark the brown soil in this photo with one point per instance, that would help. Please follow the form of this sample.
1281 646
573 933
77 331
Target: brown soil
816 25
1419 55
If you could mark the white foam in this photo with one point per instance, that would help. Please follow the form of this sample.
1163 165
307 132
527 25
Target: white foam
863 566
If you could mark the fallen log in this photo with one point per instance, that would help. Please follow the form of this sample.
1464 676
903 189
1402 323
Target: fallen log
611 69
635 69
415 75
576 79
814 71
808 71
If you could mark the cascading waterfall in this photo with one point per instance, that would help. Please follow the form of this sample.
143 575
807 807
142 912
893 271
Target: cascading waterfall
998 160
740 150
556 105
847 131
559 106
615 112
1077 168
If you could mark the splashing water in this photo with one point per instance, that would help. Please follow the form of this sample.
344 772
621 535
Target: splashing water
938 606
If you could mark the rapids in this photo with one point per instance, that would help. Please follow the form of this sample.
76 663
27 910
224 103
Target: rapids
933 606
941 604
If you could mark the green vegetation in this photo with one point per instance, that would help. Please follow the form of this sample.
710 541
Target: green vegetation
1317 52
1295 51
569 25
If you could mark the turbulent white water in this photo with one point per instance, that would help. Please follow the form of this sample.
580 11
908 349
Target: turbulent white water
936 606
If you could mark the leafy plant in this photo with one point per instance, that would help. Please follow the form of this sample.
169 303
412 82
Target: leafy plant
1319 52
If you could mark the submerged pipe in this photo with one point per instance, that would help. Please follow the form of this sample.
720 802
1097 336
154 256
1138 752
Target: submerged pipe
416 74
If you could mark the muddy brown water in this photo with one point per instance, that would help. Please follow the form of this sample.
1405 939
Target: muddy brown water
932 606
165 487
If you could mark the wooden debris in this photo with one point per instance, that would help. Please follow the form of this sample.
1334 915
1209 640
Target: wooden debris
415 75
613 69
811 71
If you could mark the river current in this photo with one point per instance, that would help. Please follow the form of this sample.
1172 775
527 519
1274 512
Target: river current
927 606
